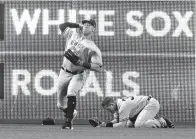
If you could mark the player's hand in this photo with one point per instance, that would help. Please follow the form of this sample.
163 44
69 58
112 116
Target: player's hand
103 124
95 122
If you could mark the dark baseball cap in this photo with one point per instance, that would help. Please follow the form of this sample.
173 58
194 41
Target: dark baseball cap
91 21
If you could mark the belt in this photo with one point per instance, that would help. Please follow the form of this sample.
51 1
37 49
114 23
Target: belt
149 97
74 73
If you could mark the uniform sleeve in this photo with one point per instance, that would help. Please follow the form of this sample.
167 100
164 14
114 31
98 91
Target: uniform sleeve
124 114
67 33
96 58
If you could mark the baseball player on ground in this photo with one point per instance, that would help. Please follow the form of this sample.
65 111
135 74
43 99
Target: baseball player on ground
134 111
81 55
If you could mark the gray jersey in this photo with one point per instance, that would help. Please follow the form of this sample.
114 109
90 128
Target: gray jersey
129 107
83 48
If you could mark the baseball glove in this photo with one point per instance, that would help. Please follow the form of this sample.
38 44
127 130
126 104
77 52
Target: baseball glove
95 122
73 58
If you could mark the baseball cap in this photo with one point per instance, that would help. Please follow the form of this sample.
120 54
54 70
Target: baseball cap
91 21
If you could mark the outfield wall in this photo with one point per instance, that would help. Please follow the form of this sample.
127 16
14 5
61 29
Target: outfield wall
148 48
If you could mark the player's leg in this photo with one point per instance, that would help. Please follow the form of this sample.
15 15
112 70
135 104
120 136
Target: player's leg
146 116
62 85
165 122
65 111
74 87
74 116
159 122
152 124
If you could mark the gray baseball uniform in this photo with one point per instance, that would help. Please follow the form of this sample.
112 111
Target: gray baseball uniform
144 107
72 77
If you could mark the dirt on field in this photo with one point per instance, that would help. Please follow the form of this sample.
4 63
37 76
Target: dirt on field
19 131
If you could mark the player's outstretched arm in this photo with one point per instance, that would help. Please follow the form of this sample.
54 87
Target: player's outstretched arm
120 124
114 125
114 121
65 25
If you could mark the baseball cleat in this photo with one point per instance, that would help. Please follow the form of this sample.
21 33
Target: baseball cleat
162 122
67 125
169 123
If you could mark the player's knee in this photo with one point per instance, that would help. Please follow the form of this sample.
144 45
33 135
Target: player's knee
72 98
138 124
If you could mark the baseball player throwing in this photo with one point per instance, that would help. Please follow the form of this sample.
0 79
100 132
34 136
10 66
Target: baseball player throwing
134 111
81 55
